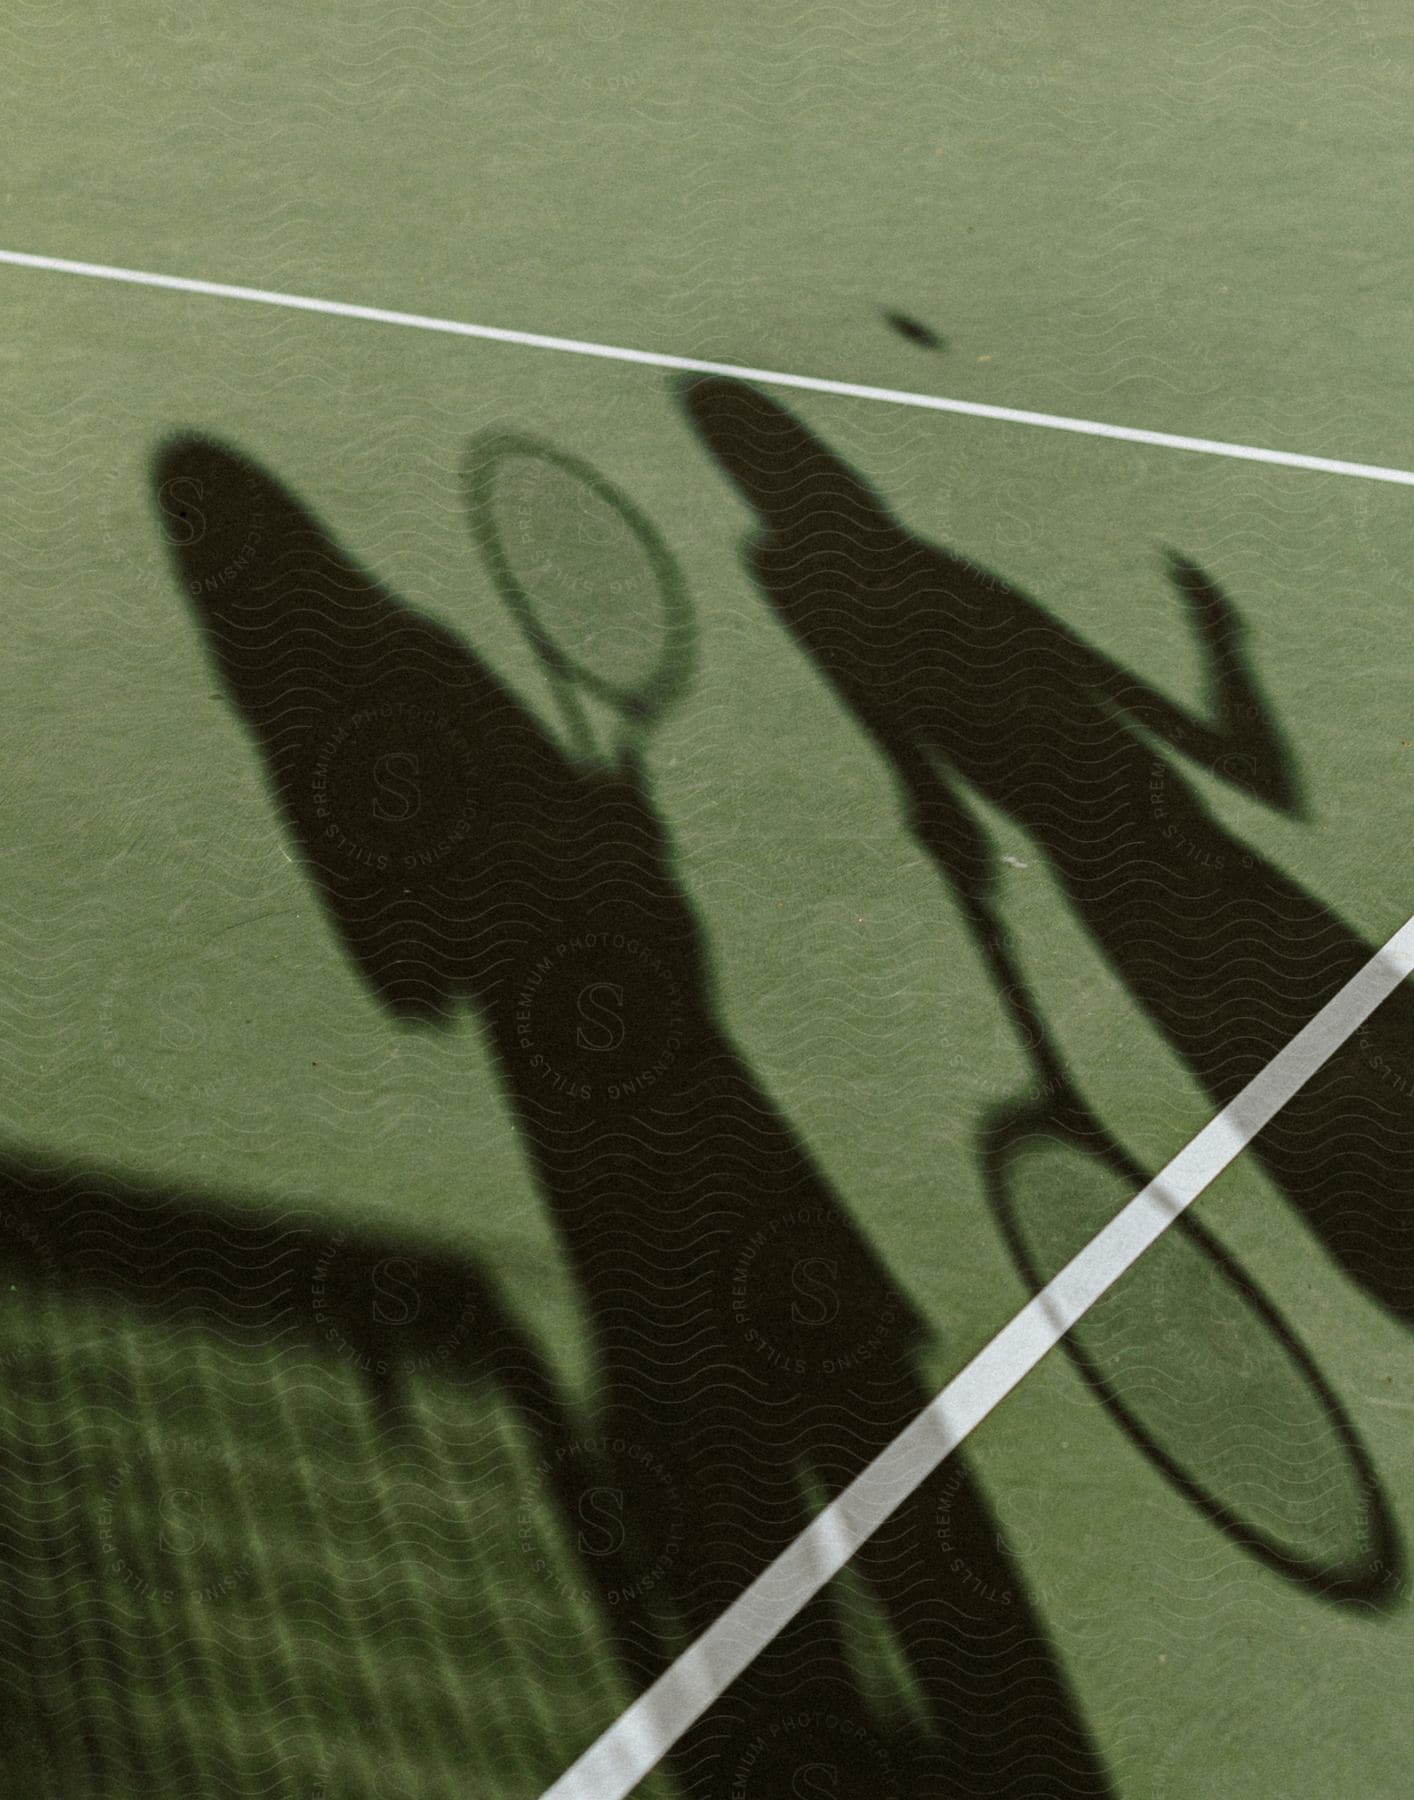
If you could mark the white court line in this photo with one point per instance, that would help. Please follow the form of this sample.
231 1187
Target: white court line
853 390
616 1762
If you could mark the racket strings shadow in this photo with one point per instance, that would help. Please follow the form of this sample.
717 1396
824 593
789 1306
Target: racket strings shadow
588 580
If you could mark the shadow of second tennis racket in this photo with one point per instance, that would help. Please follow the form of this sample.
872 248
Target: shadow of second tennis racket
1198 1367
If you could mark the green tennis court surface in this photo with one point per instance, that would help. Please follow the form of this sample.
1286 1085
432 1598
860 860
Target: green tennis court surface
265 1128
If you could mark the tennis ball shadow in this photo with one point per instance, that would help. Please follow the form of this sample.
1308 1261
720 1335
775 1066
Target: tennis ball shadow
915 331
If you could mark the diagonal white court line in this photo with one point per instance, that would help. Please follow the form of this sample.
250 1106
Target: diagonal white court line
1167 440
616 1762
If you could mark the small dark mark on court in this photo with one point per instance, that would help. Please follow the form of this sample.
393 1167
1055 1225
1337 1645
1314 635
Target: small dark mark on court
916 331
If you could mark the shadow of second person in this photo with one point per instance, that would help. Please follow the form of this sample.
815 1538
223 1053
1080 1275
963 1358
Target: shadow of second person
964 682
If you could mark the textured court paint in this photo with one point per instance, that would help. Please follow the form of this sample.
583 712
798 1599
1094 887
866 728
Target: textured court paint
1179 218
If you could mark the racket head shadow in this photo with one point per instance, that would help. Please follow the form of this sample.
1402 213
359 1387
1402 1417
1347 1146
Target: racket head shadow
585 575
1198 1368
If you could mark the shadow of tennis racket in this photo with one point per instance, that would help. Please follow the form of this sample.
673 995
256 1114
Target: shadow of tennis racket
592 586
1196 1365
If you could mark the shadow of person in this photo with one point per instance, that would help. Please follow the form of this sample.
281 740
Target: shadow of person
959 677
751 1352
962 681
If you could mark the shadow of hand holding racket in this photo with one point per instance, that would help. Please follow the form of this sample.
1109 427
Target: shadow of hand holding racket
962 681
751 1353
